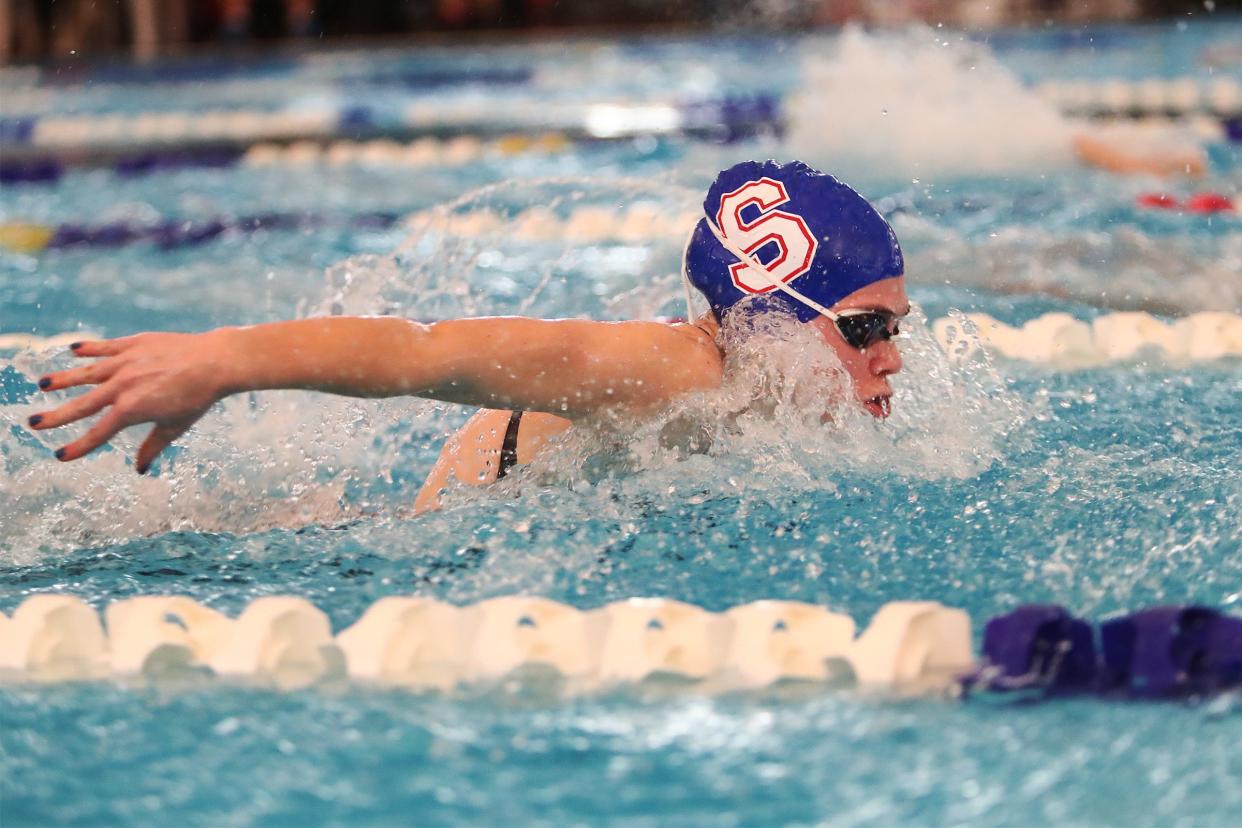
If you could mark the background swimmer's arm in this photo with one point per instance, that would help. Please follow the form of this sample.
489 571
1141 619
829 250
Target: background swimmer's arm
1110 155
568 367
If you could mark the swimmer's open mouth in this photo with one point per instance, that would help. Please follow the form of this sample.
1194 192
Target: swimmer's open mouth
879 406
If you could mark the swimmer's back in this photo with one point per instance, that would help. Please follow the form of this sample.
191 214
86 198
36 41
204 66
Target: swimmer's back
476 454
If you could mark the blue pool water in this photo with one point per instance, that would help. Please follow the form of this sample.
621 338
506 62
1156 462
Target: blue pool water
993 484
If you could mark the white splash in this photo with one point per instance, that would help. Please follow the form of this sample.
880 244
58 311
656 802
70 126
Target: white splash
784 422
921 102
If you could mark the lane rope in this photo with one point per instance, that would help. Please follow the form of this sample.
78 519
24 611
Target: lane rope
1062 341
420 643
454 152
1173 98
721 119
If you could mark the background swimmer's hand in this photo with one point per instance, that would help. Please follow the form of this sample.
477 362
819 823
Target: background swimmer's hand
162 378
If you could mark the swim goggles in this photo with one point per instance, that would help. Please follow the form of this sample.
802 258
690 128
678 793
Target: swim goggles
859 327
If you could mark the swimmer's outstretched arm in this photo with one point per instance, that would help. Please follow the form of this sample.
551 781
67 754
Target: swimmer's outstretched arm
566 366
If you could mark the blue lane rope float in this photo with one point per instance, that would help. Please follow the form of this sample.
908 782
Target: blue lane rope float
1162 652
1171 651
1233 128
50 169
203 70
16 130
1039 647
171 234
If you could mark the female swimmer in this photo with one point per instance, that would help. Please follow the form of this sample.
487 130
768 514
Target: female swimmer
799 238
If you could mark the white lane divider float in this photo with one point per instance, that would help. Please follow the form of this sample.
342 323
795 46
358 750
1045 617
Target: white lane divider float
648 637
1061 341
912 644
53 638
514 633
281 639
421 643
410 642
157 634
774 640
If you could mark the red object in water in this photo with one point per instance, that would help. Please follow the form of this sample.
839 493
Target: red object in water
1208 203
1158 201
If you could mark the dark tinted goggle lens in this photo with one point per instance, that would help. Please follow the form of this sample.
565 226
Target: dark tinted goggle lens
866 329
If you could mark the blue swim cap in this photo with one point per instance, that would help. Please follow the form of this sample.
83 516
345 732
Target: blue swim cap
807 229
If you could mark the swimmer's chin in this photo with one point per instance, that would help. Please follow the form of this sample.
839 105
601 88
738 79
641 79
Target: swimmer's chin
879 407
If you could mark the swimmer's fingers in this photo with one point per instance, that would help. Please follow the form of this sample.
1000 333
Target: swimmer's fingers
74 410
160 438
92 374
103 347
104 429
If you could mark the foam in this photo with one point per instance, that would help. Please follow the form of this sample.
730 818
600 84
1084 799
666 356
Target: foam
917 103
12 342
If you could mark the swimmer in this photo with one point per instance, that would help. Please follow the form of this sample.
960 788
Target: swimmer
783 235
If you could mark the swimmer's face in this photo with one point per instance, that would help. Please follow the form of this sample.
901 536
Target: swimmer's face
869 368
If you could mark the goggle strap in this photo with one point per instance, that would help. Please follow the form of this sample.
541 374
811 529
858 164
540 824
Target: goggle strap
752 263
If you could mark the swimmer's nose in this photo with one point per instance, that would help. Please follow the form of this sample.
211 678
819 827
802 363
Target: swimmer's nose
885 359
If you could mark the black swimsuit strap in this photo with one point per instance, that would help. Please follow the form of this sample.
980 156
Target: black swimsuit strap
508 449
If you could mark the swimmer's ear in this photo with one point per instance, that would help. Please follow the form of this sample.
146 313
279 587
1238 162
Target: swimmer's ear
160 438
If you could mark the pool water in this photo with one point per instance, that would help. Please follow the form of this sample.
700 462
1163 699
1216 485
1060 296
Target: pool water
995 483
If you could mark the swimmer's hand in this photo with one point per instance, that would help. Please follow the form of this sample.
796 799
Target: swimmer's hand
167 379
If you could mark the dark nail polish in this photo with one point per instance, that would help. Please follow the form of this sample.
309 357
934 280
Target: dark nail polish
45 382
75 346
35 419
60 454
143 469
